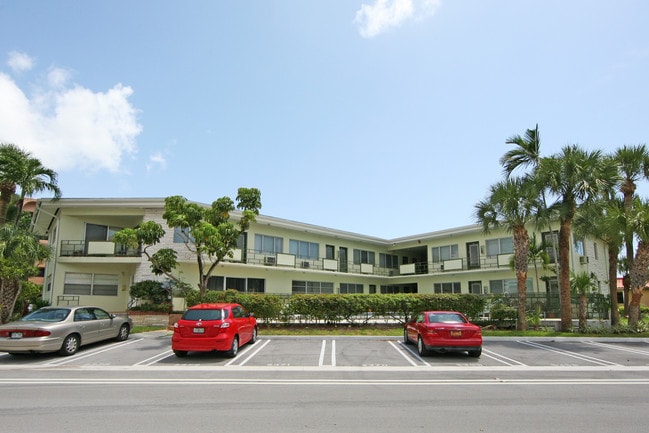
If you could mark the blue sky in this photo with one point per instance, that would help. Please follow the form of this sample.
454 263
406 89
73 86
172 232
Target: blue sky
381 117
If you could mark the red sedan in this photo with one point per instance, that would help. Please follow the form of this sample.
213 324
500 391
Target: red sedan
208 327
443 331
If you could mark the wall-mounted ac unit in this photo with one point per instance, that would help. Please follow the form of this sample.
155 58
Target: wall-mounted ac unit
269 260
583 260
305 264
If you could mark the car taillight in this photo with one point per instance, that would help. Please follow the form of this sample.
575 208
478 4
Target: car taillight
225 325
25 333
431 330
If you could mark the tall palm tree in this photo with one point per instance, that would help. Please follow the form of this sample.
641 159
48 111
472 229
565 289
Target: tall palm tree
605 219
525 154
633 165
574 176
512 204
19 169
639 269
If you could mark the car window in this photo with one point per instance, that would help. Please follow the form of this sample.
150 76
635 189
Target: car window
48 315
203 314
237 313
420 318
101 314
83 314
445 318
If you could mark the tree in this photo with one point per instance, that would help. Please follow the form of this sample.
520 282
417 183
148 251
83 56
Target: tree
512 204
208 233
538 254
639 269
574 176
19 169
19 253
605 219
582 284
633 165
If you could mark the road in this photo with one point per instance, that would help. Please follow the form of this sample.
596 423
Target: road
326 384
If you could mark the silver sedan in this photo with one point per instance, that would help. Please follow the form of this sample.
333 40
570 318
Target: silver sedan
62 329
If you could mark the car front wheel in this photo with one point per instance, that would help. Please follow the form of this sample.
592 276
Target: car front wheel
234 349
70 345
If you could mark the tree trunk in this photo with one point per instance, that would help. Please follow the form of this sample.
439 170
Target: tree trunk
564 275
634 307
613 252
521 263
9 291
583 313
639 274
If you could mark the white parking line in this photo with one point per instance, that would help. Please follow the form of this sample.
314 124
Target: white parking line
568 353
91 353
500 358
400 350
156 358
415 354
322 353
251 355
620 348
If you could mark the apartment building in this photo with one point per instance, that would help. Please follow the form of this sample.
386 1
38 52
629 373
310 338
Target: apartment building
279 256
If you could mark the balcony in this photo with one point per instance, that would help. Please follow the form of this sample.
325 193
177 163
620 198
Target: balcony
74 248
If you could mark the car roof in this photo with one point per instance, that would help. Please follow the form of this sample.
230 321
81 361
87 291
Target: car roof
213 306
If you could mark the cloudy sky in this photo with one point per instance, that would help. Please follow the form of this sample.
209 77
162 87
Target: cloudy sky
381 117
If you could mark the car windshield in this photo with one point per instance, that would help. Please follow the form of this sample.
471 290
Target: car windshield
445 318
204 314
47 315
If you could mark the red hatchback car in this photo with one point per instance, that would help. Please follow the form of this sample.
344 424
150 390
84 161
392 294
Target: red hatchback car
443 331
207 327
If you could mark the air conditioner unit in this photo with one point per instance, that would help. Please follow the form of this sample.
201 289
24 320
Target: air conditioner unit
269 260
305 264
583 260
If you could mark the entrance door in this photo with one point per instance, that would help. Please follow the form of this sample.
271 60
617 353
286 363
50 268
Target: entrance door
473 255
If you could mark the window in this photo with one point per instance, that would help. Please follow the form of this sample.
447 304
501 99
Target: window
351 288
362 256
304 249
311 287
330 252
95 232
447 252
182 236
447 287
578 246
388 261
500 246
268 244
595 252
90 284
551 240
249 285
508 286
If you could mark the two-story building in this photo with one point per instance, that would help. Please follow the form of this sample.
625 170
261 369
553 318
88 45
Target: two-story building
279 256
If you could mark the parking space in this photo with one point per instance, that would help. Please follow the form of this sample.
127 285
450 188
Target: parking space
153 350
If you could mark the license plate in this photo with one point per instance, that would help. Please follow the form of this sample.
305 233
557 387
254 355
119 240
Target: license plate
199 330
16 335
456 333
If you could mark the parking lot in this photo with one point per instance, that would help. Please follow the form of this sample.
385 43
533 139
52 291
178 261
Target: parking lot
153 349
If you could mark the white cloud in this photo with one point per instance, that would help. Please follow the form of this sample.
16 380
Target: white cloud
157 160
69 127
385 14
19 62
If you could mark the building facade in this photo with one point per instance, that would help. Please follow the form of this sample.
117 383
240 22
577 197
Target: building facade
279 256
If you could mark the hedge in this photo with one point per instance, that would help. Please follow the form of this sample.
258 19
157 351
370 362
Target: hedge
351 308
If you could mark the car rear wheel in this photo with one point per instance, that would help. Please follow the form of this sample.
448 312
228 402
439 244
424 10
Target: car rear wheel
70 345
405 336
421 347
253 338
234 349
122 335
180 353
475 353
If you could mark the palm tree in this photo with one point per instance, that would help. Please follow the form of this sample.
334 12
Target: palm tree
19 169
605 219
582 284
512 204
538 254
574 176
19 251
527 152
633 165
639 269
